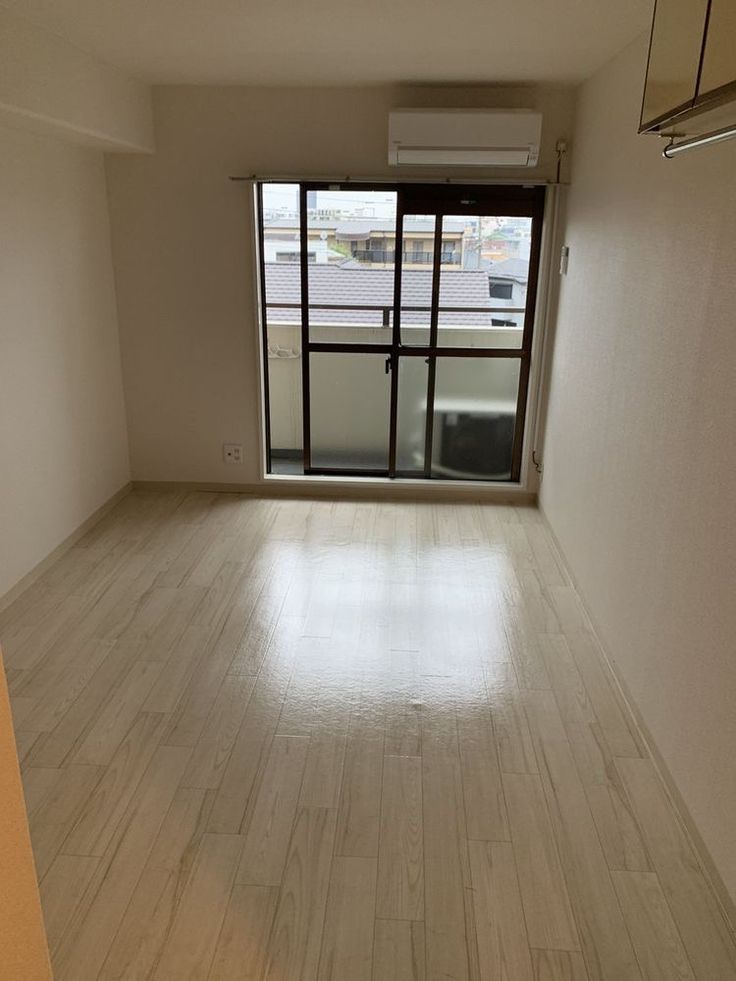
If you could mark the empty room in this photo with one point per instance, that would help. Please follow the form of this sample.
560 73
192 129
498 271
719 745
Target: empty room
367 491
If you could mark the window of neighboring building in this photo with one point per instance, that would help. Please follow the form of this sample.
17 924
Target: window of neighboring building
501 291
496 322
294 257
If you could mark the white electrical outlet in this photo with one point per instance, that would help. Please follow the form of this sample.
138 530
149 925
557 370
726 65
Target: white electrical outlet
232 453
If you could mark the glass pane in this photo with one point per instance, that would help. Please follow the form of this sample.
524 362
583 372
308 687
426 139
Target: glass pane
281 252
677 37
412 414
474 417
351 248
482 301
416 278
284 363
349 397
718 58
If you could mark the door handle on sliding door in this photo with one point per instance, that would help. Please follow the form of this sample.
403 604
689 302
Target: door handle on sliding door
388 365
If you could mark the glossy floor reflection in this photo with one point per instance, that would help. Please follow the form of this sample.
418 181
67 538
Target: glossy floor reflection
292 740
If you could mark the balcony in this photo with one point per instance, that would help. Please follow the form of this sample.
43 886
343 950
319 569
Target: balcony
332 375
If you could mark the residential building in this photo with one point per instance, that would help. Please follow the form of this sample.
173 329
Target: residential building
373 241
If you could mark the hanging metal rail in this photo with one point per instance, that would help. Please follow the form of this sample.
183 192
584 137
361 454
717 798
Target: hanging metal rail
717 136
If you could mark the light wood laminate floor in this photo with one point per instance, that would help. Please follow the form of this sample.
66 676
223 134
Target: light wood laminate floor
270 740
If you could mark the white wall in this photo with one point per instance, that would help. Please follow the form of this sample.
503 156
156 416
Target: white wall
63 444
51 87
640 462
182 240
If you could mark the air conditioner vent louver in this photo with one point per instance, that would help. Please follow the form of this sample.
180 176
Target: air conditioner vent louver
464 137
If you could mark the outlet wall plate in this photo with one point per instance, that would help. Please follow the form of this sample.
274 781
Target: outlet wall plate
564 259
232 453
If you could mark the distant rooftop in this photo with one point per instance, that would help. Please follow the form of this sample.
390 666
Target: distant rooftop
365 286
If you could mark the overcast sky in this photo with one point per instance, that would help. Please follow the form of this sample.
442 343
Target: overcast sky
379 204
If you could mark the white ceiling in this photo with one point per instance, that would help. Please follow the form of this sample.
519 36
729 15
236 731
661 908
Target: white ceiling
284 42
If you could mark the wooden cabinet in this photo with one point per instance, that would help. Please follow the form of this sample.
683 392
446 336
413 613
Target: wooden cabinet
719 51
24 953
692 61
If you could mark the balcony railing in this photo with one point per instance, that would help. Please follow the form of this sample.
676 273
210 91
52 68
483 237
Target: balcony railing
386 312
408 256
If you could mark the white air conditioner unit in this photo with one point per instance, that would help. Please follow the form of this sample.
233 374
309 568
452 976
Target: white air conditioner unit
464 137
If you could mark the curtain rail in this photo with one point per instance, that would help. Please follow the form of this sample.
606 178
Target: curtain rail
518 181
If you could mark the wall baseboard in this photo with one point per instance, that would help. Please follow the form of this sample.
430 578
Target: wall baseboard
353 489
38 570
690 828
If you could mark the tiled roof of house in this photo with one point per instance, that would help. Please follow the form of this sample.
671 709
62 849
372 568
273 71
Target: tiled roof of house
516 269
375 287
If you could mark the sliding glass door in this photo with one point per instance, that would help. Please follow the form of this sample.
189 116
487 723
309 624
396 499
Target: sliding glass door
397 326
348 266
